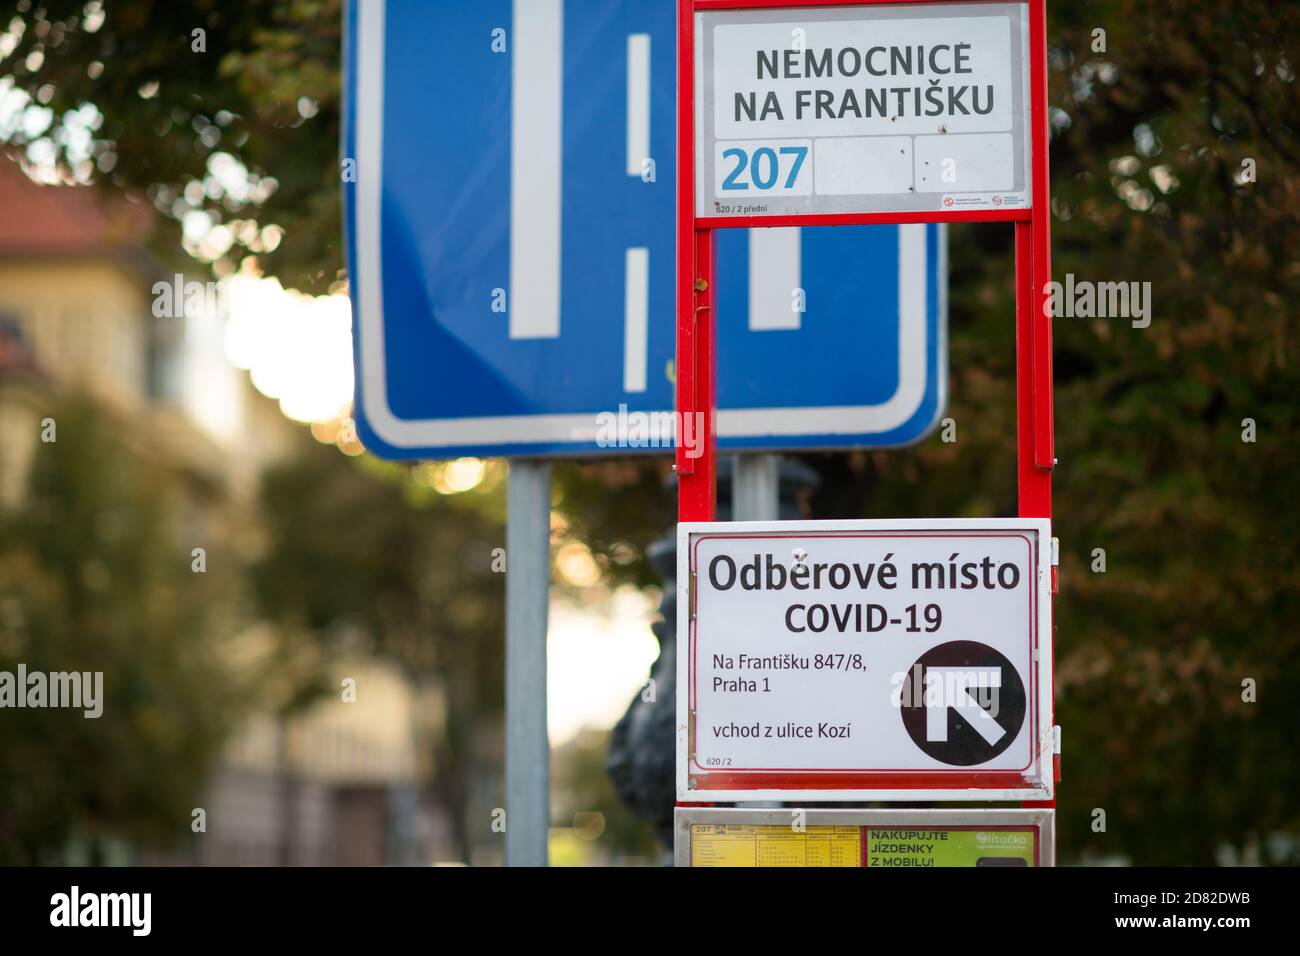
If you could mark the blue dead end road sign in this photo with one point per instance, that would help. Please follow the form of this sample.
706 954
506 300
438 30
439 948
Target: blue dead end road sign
510 244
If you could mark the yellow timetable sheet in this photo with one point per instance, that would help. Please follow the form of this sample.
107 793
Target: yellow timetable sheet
739 844
765 844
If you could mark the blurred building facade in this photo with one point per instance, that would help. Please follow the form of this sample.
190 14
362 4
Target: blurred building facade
79 297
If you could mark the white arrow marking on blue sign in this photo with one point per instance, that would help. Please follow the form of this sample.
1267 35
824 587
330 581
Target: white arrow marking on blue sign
775 272
536 127
636 318
636 277
638 101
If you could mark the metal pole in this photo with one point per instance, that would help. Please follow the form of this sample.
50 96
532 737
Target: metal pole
528 578
754 487
754 497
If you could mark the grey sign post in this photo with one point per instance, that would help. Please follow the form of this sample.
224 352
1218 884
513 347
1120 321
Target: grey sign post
528 576
754 487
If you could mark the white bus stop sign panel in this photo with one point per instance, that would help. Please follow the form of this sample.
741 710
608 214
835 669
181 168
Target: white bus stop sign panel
866 109
865 660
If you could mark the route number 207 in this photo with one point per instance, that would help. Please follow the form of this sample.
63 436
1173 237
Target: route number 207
763 165
763 168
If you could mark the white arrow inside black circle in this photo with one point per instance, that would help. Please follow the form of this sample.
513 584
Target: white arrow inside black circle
952 687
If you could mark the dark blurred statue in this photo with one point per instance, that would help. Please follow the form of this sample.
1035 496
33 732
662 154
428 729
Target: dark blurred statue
641 748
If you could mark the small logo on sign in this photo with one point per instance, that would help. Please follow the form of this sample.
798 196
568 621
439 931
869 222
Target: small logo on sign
985 838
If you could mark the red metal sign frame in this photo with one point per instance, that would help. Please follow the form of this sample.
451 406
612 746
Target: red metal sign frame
696 364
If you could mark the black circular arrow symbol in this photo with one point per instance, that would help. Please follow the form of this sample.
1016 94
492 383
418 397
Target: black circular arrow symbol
963 703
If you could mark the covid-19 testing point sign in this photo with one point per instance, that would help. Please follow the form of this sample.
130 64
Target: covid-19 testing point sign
865 660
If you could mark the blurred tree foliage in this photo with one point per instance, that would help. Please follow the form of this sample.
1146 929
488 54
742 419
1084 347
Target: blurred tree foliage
96 575
598 827
616 508
223 110
1200 529
1174 162
371 560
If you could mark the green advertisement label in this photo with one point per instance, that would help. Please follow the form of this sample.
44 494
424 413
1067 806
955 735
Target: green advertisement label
1012 846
